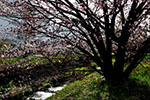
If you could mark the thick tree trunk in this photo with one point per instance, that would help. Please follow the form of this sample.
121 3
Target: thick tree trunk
114 77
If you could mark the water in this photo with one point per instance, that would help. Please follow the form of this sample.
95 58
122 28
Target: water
42 95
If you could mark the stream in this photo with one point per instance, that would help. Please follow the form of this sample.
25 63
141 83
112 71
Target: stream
42 95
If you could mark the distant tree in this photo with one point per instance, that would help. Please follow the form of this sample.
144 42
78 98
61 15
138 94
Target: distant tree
113 33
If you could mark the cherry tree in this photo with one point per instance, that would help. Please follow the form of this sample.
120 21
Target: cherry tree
113 33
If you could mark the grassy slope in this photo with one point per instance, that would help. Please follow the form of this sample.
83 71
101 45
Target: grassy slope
88 88
93 87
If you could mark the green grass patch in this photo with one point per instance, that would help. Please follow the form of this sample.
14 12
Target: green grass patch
11 60
94 87
142 73
36 61
87 89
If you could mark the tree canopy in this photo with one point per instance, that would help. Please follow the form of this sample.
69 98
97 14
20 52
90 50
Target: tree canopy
113 33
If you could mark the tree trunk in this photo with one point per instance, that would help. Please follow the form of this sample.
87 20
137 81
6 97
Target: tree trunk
114 77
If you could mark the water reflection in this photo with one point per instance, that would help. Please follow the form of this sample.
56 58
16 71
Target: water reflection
42 95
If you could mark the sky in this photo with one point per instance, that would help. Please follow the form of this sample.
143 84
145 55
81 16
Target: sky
3 24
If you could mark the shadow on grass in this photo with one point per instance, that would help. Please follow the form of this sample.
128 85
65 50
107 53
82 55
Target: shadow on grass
131 90
94 87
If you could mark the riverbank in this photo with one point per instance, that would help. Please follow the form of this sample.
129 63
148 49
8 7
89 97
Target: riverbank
94 87
20 81
79 85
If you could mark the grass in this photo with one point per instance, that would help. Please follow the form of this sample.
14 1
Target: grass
12 60
142 73
94 87
86 89
30 60
36 76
